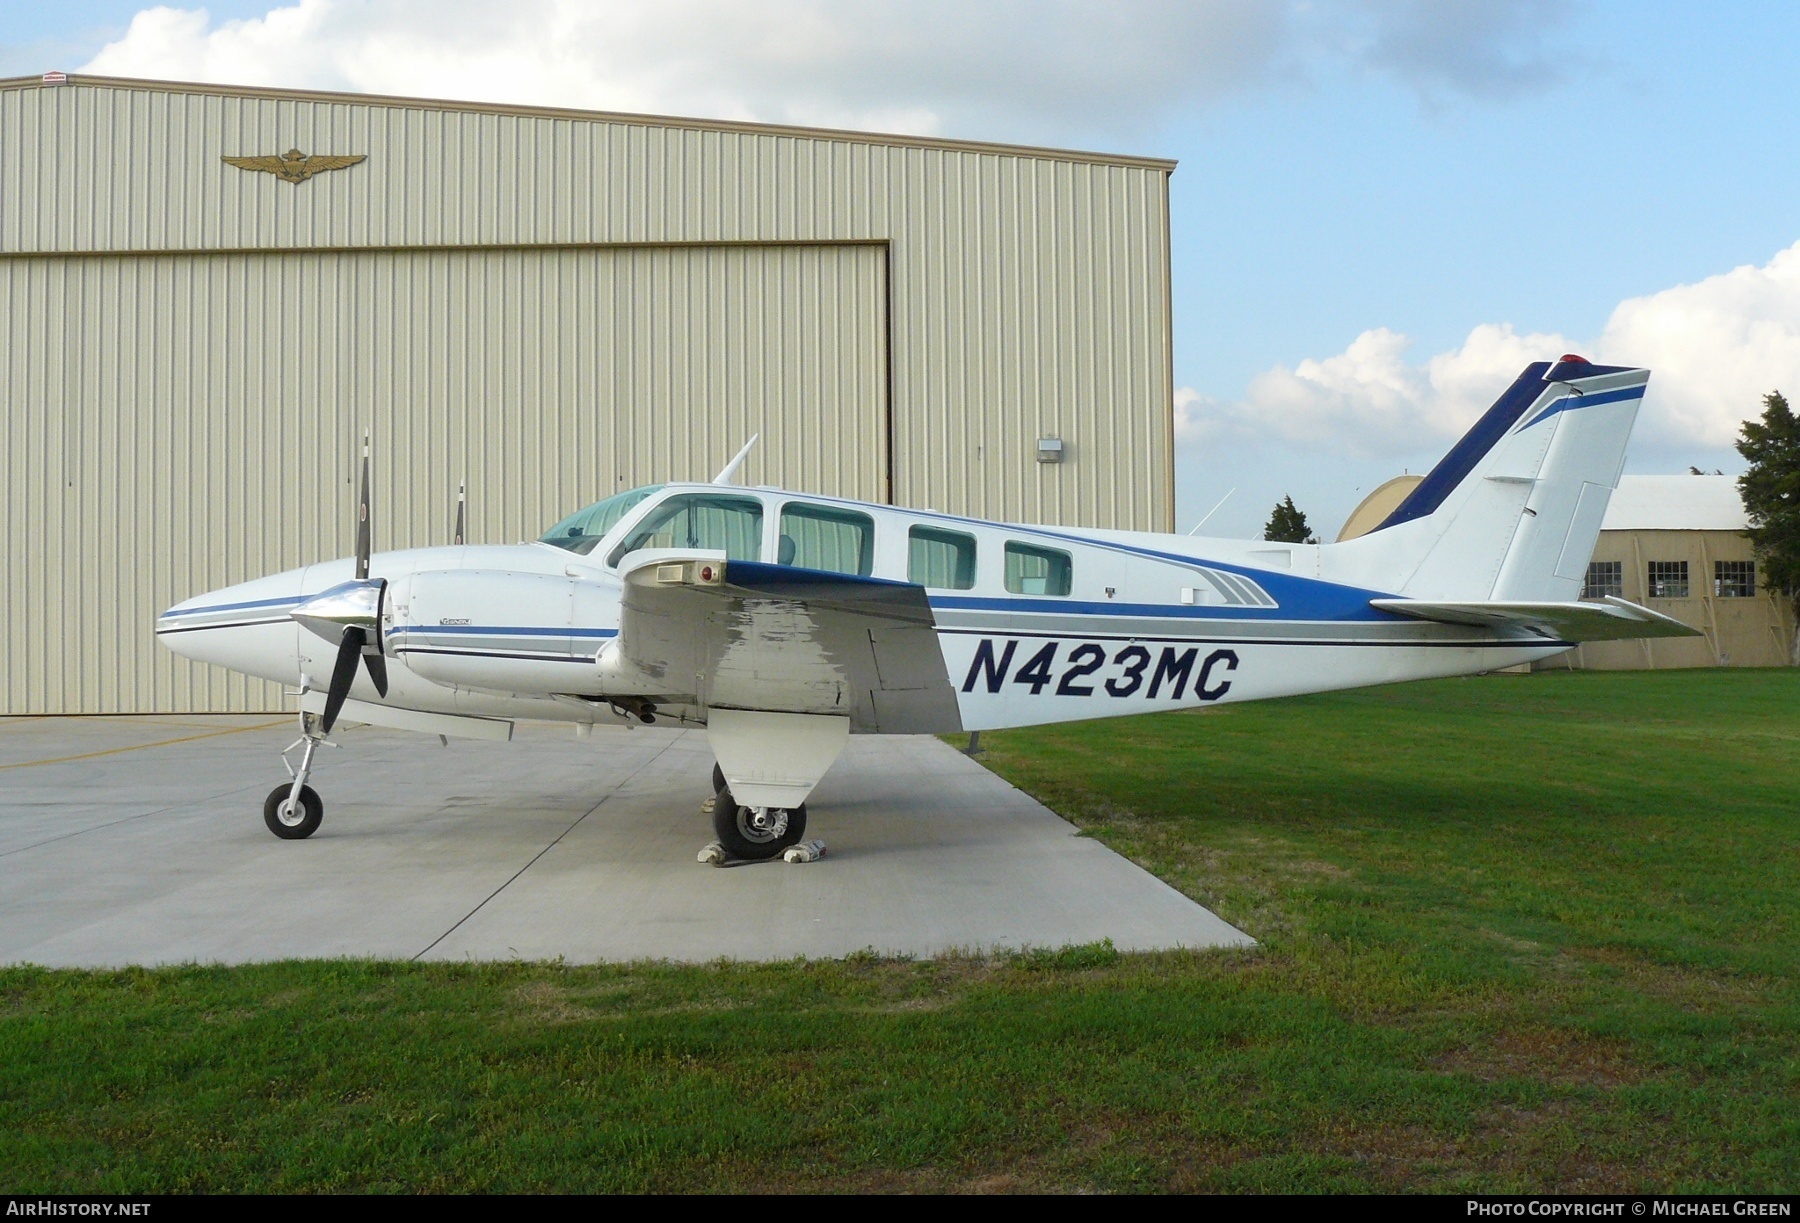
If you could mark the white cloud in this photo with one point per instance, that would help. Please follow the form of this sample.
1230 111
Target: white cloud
1053 70
920 65
1369 400
1714 348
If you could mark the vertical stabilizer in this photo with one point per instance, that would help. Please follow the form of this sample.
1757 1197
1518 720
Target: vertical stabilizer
1514 509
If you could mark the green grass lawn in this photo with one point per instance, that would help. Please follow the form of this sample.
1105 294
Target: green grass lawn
1517 933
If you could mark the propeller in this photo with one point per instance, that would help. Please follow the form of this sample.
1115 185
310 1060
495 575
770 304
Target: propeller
350 615
462 490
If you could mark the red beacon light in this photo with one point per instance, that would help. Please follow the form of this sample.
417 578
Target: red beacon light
1574 358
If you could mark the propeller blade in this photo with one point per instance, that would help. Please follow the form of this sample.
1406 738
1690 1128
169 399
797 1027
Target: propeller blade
343 673
362 517
456 536
377 666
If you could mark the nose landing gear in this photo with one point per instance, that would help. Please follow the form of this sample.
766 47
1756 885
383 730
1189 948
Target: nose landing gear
291 817
293 810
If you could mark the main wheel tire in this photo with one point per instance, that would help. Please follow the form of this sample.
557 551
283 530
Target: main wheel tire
305 820
743 836
718 780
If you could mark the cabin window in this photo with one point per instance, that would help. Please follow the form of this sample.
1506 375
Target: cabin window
944 560
1734 579
732 525
1604 578
819 537
1037 571
585 528
1668 580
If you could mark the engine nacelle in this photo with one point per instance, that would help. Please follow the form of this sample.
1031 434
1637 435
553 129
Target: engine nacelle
495 631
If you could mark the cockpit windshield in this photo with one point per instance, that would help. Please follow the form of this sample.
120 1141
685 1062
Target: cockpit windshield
580 531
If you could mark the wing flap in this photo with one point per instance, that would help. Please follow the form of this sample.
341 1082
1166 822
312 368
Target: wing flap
1612 620
698 628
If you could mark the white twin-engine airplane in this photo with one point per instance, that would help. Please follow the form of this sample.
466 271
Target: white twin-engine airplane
783 623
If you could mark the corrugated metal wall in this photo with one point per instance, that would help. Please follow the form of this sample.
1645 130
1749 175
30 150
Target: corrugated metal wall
1737 632
1026 293
175 424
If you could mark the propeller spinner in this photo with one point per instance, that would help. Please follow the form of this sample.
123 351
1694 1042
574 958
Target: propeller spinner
350 615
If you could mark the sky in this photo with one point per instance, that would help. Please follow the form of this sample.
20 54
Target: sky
1383 210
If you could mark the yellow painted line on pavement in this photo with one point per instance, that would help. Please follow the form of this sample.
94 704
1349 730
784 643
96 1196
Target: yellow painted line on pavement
138 747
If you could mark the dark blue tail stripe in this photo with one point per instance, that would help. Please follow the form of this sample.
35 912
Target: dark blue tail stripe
1455 466
1570 402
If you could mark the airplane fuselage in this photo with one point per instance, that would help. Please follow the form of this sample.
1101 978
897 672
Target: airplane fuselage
1032 624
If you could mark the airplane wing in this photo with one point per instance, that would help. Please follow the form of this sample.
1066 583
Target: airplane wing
1612 620
697 628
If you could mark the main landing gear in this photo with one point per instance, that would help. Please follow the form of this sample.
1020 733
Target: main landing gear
753 834
293 810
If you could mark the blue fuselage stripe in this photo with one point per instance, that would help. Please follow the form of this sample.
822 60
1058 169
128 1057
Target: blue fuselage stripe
503 630
1354 608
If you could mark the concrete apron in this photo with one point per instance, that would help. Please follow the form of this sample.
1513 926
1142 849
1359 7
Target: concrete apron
141 841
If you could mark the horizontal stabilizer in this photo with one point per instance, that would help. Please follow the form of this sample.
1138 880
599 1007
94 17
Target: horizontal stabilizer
1613 620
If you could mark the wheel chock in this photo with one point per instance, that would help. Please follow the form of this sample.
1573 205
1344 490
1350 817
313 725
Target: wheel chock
712 855
806 851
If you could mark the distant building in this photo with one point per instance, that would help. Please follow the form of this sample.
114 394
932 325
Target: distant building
1679 544
1377 506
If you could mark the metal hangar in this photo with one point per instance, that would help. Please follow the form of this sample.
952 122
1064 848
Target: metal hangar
209 293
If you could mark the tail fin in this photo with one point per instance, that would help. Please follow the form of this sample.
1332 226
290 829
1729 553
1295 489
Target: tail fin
1513 511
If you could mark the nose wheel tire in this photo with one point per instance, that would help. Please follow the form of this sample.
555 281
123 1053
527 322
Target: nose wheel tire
301 822
754 834
718 780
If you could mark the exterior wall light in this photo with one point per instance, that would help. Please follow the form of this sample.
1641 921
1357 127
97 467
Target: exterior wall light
1050 450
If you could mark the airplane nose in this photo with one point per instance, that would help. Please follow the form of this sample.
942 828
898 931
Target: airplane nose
244 627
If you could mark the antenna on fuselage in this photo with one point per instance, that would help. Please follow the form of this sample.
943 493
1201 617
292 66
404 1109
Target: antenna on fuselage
462 491
724 477
1215 509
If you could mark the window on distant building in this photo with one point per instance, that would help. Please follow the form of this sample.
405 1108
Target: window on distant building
1734 579
1604 578
1668 580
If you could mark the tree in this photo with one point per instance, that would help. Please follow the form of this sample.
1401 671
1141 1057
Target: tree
1771 492
1288 525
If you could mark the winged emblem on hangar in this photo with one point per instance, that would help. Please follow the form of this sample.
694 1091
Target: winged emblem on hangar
294 166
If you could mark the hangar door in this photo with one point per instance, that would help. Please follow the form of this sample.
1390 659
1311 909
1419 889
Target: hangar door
176 423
